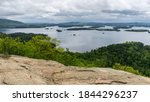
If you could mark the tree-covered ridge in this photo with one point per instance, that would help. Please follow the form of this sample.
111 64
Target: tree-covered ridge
130 56
133 54
6 23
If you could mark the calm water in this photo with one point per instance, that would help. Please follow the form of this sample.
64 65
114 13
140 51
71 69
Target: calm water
86 40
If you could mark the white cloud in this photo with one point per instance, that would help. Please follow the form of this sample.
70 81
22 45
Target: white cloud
75 10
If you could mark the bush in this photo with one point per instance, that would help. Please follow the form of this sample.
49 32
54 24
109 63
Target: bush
118 66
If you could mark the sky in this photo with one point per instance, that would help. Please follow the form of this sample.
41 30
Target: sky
50 11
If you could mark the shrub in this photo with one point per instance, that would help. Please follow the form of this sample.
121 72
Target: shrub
118 66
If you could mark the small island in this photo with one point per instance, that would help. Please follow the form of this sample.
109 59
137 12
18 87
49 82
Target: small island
138 30
59 30
91 28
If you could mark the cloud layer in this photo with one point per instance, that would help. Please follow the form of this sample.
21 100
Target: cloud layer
76 10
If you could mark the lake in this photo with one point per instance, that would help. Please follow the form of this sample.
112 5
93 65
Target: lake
86 40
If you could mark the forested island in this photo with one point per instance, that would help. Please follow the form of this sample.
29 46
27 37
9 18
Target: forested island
130 56
92 28
138 30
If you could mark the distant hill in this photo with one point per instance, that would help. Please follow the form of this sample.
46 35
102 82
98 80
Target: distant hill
6 23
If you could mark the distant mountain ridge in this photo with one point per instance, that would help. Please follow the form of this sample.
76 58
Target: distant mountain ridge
6 23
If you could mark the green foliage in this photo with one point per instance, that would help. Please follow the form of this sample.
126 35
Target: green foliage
24 36
38 46
133 54
118 66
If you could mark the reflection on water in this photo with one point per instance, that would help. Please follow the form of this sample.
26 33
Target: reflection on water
85 40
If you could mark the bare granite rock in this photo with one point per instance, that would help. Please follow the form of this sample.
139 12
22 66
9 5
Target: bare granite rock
17 70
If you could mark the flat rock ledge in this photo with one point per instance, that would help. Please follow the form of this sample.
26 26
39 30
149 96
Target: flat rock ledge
17 70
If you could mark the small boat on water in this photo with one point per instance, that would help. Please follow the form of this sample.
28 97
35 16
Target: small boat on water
59 30
47 28
74 34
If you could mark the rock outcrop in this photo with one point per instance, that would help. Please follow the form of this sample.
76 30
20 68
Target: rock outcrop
17 70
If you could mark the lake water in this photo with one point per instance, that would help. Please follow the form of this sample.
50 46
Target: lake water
86 40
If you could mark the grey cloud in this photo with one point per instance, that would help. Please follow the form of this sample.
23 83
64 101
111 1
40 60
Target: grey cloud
9 13
76 14
124 12
69 10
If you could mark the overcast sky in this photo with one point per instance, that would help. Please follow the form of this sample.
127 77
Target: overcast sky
76 10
